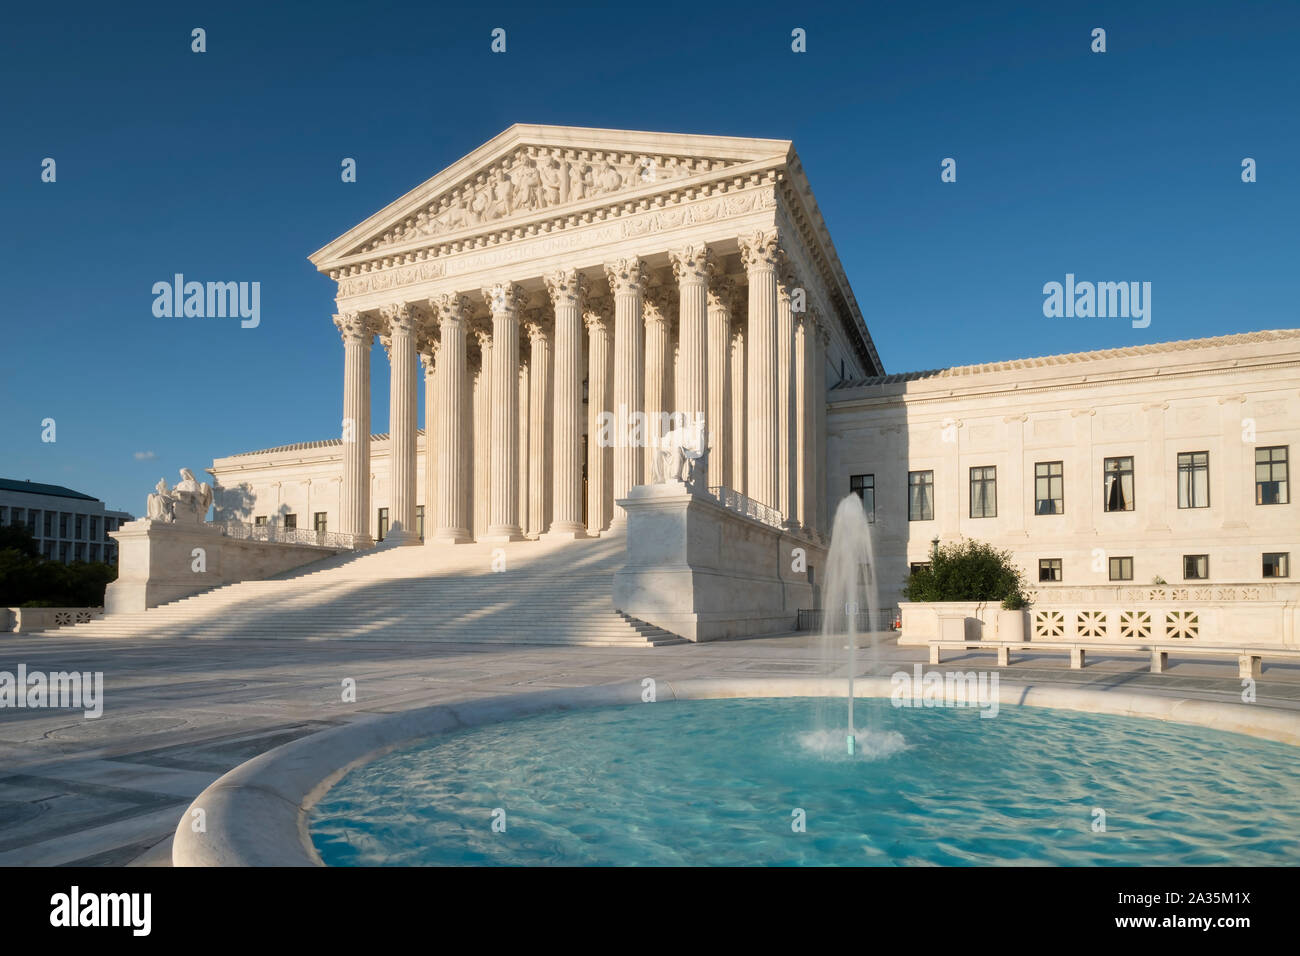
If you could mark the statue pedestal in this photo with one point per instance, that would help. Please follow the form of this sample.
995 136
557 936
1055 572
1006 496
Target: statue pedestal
706 572
162 561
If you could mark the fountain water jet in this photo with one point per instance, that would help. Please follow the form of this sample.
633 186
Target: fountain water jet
850 582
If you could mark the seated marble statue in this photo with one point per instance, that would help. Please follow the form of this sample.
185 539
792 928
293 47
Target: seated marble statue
187 503
682 454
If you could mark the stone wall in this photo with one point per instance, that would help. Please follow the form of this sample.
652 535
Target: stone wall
705 572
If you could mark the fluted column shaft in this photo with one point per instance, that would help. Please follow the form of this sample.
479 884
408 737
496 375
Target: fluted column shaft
804 452
503 515
819 409
627 278
354 503
429 359
482 434
718 419
759 253
739 423
403 403
567 289
599 399
453 494
787 478
539 428
525 441
693 265
658 353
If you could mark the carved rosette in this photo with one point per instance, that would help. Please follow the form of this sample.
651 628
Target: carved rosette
627 276
693 263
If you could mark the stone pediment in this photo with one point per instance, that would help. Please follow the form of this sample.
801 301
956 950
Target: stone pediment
538 170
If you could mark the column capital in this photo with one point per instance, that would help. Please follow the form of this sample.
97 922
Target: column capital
658 305
722 291
537 325
505 299
427 348
693 263
451 307
353 327
400 318
759 250
598 314
566 285
627 275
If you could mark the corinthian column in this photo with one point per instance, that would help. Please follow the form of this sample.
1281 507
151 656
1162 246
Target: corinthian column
402 404
504 302
539 426
482 431
599 433
453 312
428 347
721 289
803 353
627 279
354 503
787 456
822 511
525 436
658 354
739 424
693 265
568 289
759 252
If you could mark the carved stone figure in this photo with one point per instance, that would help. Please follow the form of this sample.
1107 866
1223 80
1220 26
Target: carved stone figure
187 503
684 448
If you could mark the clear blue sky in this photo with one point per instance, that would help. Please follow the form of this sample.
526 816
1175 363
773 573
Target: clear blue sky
225 166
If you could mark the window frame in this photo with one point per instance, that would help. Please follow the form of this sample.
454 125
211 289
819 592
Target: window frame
859 490
1203 559
1049 478
1049 565
1110 567
984 482
920 484
1191 468
1120 474
1271 463
1284 564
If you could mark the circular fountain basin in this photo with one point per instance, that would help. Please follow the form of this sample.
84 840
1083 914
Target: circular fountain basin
710 773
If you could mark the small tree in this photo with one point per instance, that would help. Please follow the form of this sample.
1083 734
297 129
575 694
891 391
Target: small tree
967 571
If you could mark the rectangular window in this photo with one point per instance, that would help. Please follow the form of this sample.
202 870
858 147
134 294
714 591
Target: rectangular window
63 524
49 524
1194 479
1121 569
94 527
49 549
1277 564
94 552
33 516
1049 569
1270 475
290 522
16 517
383 523
260 521
920 496
1049 488
81 527
917 566
864 486
4 514
419 521
984 492
63 551
1118 484
80 552
319 521
1196 567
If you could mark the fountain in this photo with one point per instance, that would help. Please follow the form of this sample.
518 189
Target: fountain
849 581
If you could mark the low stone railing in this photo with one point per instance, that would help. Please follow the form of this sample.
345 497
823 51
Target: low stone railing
278 534
1217 616
742 504
17 620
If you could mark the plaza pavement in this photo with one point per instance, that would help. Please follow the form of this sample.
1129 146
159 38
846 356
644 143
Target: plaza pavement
180 713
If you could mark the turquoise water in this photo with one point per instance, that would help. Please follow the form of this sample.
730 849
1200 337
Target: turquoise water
716 782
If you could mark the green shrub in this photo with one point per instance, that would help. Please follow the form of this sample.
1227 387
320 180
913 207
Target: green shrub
968 571
28 580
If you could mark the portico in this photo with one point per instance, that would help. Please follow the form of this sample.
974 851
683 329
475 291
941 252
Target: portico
631 273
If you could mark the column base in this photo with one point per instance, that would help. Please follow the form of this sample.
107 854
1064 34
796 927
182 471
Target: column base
569 532
503 534
451 536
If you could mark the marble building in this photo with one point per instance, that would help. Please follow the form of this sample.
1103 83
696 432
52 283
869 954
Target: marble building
561 291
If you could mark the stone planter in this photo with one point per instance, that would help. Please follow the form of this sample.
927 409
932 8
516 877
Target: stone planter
1012 625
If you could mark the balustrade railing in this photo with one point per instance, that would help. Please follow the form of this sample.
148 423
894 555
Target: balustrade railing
278 534
741 504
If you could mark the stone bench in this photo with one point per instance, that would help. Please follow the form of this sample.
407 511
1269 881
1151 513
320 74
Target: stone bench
1250 660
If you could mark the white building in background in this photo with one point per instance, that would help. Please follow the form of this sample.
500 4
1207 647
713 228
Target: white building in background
67 525
1169 461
